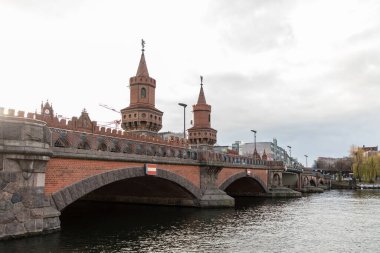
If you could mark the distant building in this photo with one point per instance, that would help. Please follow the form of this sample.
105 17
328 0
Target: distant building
271 149
367 149
221 149
325 163
236 146
330 165
170 135
370 151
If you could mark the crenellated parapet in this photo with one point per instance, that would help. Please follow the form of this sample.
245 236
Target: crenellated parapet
82 133
83 124
143 79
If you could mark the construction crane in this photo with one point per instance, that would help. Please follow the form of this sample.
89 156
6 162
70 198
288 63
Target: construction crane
116 122
109 108
62 117
110 124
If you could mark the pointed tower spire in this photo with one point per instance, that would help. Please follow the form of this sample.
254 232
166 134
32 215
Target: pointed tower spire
201 97
256 155
142 69
201 135
264 156
142 116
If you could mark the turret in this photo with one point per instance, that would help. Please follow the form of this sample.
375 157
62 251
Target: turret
201 135
141 116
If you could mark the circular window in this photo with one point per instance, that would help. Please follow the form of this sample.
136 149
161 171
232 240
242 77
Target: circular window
143 115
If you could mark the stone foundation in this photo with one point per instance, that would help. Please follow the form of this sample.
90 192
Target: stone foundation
24 152
283 192
311 189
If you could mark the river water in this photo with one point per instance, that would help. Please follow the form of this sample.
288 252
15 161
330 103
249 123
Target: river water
334 221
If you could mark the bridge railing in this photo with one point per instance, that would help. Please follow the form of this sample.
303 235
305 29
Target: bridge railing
80 140
211 156
79 134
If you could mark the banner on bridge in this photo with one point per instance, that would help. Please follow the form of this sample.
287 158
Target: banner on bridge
150 169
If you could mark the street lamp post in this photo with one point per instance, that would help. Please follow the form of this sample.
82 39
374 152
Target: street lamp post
290 151
306 156
184 118
290 154
254 132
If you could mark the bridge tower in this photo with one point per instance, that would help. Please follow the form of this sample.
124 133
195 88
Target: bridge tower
201 135
141 116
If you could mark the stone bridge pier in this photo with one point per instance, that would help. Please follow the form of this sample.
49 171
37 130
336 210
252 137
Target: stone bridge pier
24 153
212 196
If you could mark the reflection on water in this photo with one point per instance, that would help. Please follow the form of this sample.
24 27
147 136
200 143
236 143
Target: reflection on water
335 221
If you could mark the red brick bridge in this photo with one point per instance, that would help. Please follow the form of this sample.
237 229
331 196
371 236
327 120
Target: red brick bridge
109 165
48 164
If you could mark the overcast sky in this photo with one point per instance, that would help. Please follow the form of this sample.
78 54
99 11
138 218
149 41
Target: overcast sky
305 72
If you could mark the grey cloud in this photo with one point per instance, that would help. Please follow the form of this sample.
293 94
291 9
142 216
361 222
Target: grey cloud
253 25
361 68
367 34
47 7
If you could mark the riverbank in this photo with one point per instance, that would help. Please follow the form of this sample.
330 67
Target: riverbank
350 185
368 186
342 185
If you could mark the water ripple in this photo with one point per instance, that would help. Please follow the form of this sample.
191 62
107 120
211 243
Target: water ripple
334 221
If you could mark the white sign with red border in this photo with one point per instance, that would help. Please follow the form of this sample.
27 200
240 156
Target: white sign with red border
150 169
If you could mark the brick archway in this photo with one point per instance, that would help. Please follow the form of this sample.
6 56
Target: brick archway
240 175
71 193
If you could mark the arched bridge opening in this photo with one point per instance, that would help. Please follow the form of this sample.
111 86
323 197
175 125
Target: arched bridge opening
130 185
243 185
144 190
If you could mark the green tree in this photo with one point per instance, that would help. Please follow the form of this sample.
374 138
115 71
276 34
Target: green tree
358 162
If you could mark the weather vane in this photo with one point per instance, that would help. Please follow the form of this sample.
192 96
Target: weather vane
143 45
201 80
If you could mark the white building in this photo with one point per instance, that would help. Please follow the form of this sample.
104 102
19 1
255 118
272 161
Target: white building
273 151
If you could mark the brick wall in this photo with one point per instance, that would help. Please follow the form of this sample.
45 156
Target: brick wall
62 172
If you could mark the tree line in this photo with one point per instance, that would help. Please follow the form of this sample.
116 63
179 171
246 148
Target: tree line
365 168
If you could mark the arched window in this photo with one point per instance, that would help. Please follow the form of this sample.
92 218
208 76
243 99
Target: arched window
143 93
209 118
